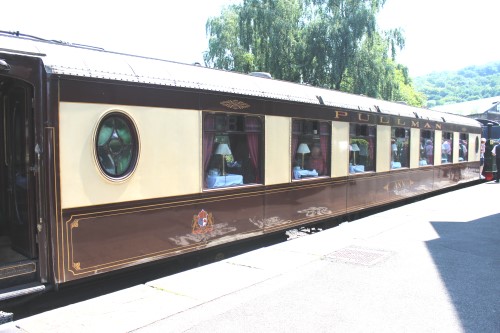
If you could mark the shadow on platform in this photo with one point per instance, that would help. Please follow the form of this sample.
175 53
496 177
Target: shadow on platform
467 255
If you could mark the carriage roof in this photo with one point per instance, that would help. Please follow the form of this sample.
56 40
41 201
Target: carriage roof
84 61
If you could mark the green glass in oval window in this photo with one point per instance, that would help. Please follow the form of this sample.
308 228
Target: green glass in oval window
115 146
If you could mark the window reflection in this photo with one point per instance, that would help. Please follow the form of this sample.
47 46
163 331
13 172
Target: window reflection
463 152
310 148
426 147
447 148
362 148
400 148
231 150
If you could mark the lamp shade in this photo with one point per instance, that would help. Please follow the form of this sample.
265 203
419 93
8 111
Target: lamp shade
354 147
303 149
223 149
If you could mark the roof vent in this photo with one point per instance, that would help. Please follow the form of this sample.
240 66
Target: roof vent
320 99
261 74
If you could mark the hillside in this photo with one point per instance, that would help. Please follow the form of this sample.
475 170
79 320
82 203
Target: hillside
470 83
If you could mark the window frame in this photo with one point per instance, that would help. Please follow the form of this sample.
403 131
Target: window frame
467 146
370 132
134 161
228 130
298 128
407 133
447 135
423 144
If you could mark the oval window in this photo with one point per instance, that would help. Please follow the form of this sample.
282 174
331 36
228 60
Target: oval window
116 145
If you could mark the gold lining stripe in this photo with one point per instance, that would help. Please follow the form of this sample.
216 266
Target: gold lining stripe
16 266
175 250
51 138
214 199
202 244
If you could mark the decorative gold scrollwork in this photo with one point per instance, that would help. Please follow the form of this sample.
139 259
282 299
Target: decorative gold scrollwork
76 265
235 104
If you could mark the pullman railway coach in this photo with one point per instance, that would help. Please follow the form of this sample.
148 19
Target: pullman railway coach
110 160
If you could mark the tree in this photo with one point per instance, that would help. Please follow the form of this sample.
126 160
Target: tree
224 49
326 43
375 73
261 35
333 37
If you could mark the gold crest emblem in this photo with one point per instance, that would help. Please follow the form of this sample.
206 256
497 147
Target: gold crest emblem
203 222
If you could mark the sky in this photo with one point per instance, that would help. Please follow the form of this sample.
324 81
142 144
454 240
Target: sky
440 34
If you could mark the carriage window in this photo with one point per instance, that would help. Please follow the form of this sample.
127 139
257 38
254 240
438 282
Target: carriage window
463 152
116 146
400 148
447 148
310 148
426 147
232 150
362 148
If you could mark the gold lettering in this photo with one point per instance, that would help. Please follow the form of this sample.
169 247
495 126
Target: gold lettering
401 123
339 114
363 117
384 120
438 126
427 125
415 124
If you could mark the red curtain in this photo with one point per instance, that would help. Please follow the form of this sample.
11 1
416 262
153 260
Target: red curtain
208 140
323 140
253 123
295 144
371 153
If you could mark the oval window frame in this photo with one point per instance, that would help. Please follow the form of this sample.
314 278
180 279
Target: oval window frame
135 133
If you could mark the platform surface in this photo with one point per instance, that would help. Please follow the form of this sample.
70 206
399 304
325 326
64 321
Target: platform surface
432 266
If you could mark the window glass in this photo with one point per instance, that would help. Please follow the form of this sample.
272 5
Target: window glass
310 148
447 148
232 150
463 152
400 148
362 148
116 145
426 147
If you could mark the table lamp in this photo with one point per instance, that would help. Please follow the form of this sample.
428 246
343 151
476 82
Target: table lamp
354 149
303 149
223 150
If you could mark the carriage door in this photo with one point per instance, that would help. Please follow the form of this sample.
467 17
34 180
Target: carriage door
19 214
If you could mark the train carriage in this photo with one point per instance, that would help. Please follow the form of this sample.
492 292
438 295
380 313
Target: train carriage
111 160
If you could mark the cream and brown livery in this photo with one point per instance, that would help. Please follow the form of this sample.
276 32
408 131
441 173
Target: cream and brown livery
106 159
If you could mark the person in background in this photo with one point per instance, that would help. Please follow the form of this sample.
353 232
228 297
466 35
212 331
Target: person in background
481 159
446 151
429 152
496 152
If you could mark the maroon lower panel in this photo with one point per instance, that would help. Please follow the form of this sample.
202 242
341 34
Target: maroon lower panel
104 238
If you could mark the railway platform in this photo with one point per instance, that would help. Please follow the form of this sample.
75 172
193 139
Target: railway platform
430 266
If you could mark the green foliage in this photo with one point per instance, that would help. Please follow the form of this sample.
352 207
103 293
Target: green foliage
326 43
468 84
